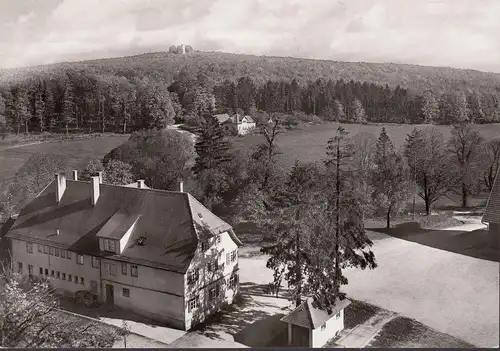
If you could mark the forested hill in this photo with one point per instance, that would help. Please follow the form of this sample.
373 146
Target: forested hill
221 66
153 90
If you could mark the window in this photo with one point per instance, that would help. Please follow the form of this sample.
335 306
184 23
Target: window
30 269
192 304
95 262
51 251
41 271
204 246
45 249
218 239
76 279
63 253
19 267
113 270
79 259
228 258
323 326
57 252
58 275
233 256
134 271
69 277
211 293
40 248
112 245
64 276
193 276
126 292
106 268
68 254
106 244
52 273
124 268
212 266
233 281
29 247
82 281
46 271
337 316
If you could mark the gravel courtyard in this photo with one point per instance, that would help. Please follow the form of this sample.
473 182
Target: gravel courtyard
452 293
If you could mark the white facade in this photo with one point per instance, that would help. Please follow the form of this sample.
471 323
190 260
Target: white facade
245 126
320 336
202 281
65 273
152 292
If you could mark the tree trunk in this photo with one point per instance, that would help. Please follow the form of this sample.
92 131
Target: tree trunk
389 216
26 126
298 271
124 127
67 130
464 196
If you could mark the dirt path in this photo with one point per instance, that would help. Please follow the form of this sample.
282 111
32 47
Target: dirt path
363 334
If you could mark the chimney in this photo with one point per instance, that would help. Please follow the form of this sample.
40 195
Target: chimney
181 186
94 195
57 232
99 174
140 184
183 49
75 174
61 186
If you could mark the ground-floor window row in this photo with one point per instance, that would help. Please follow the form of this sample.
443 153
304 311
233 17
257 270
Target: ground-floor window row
52 274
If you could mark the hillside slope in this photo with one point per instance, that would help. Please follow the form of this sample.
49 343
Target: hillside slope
220 66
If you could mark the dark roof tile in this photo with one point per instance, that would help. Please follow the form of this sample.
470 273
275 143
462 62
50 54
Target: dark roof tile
167 219
492 213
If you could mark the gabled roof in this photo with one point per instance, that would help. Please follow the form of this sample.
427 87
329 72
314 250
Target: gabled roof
169 221
309 315
223 118
249 119
492 213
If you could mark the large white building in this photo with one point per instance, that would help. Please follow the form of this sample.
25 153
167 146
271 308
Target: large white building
158 253
242 124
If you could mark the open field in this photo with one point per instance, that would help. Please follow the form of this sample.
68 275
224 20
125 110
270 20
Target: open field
308 142
76 152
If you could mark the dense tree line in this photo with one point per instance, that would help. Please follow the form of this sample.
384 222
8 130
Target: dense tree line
84 101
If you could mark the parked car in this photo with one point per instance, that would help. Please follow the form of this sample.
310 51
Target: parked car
86 298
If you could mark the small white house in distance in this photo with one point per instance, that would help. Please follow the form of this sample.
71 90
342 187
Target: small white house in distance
311 326
242 124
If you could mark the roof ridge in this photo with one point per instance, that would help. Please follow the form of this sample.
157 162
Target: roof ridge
161 191
309 312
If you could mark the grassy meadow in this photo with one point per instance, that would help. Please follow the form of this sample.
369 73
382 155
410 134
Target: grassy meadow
308 142
76 152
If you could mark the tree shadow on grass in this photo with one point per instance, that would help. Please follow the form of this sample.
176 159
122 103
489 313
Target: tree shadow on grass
473 244
357 313
402 332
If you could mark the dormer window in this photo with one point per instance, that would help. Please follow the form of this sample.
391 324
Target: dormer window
109 245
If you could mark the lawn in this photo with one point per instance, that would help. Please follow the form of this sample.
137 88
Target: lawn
402 332
308 142
76 152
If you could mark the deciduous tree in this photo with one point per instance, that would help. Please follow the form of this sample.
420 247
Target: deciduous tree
389 177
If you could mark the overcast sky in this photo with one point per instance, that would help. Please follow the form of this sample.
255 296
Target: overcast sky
457 33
